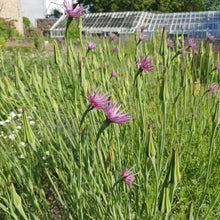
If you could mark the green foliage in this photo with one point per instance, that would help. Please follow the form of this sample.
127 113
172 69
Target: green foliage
2 42
51 165
150 5
73 30
27 22
7 29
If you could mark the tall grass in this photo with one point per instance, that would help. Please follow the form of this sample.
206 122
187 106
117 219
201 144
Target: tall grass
53 168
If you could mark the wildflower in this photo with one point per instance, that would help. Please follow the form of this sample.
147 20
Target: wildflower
18 127
142 28
212 87
113 116
115 50
141 37
22 143
179 45
127 176
11 136
95 100
210 37
83 57
9 23
91 45
145 63
169 43
25 89
184 52
44 158
2 122
12 114
25 42
60 40
114 37
76 12
13 75
196 52
191 43
47 153
49 66
217 66
22 156
78 40
32 122
114 74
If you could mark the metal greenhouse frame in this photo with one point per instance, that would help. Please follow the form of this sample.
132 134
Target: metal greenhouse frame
194 24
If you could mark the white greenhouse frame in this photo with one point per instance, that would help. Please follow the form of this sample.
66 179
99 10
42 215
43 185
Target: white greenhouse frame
193 24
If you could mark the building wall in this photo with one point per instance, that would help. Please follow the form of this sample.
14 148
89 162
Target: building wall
33 9
11 10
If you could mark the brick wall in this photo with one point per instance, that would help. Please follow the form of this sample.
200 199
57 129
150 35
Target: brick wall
11 10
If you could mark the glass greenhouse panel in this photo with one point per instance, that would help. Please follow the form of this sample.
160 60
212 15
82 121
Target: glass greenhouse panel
127 22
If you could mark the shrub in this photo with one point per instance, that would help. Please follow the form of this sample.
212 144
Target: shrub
26 22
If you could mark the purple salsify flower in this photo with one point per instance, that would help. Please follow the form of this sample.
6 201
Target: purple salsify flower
169 43
9 23
191 43
217 66
145 63
83 57
141 37
210 37
127 176
76 12
113 116
26 30
142 28
60 40
114 73
212 87
78 40
96 101
13 75
25 89
196 52
49 66
115 50
114 37
25 42
4 71
91 45
179 45
184 52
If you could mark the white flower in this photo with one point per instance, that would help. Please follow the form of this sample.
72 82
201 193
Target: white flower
21 156
35 108
19 115
29 117
44 158
6 121
2 122
12 114
11 136
22 143
5 137
47 153
18 127
32 122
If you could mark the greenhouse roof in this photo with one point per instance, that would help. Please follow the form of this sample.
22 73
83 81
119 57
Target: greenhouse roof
194 24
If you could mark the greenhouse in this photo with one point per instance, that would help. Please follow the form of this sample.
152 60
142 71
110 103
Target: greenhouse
193 24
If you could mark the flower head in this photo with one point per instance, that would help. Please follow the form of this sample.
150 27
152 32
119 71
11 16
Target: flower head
78 40
76 12
115 50
114 37
210 37
113 116
142 28
60 40
169 43
127 176
114 73
191 43
141 37
217 66
212 87
91 45
96 101
196 52
145 63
